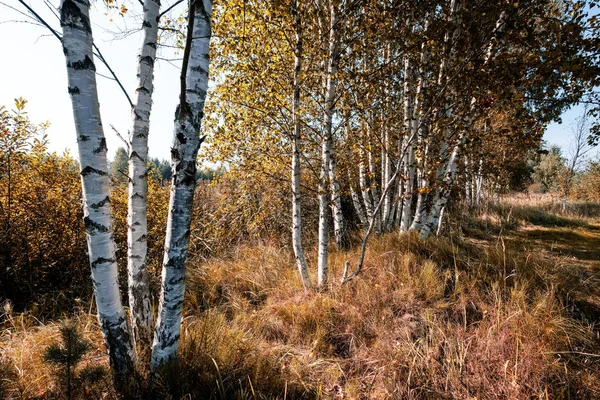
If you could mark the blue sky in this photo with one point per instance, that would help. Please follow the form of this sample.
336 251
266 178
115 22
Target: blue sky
33 66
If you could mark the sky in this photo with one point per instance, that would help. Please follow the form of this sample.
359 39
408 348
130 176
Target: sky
32 66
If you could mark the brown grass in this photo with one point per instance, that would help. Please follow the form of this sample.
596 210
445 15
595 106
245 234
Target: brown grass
503 307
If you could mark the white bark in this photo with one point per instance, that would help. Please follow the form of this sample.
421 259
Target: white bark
91 143
373 175
358 206
364 184
137 220
296 207
336 205
184 152
331 81
408 150
443 194
414 108
478 183
386 172
468 197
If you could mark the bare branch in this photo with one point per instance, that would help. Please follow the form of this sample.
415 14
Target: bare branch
120 137
170 8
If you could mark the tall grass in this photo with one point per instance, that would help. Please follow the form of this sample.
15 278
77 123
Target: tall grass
473 314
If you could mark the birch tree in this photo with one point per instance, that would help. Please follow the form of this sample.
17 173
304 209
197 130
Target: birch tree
296 208
81 72
184 152
137 219
330 81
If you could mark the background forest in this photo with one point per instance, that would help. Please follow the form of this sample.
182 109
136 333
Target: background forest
375 213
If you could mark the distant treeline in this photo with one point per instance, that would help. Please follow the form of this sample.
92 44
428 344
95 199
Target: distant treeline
162 168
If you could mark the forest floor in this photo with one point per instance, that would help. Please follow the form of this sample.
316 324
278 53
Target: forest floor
504 305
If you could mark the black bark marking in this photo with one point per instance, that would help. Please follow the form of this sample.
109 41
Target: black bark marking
84 138
91 227
85 64
183 240
143 238
148 60
146 24
189 172
176 280
71 16
101 203
199 92
91 170
200 70
181 138
74 90
134 154
102 260
118 344
102 147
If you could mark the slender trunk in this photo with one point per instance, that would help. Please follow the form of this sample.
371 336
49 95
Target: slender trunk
467 183
364 183
439 225
373 175
296 213
479 181
408 154
442 196
423 185
137 220
330 87
385 176
360 211
184 152
91 143
339 229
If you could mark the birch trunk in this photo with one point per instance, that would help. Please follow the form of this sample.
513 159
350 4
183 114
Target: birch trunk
467 183
364 184
331 80
360 211
417 131
373 176
81 72
385 177
137 220
479 181
408 151
186 143
336 205
296 211
442 196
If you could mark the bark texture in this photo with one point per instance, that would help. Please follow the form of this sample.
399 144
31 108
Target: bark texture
137 219
186 143
296 207
330 89
81 72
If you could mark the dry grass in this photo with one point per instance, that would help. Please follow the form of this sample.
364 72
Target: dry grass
491 310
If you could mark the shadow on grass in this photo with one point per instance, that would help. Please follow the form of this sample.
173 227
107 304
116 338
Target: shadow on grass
548 217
